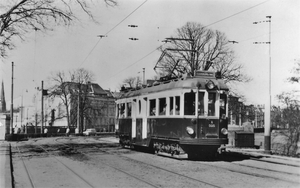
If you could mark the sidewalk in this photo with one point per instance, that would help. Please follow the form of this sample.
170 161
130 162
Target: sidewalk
5 168
259 153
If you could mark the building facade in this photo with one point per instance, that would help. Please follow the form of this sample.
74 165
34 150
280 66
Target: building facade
240 113
88 107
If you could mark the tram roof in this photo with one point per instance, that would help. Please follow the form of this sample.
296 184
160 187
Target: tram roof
188 83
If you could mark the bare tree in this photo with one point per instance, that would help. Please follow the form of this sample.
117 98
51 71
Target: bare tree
296 73
22 16
289 118
195 47
59 89
131 82
72 88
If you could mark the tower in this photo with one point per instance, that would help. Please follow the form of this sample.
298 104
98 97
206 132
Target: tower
2 99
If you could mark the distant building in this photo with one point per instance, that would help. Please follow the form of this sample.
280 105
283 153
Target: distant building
234 110
240 113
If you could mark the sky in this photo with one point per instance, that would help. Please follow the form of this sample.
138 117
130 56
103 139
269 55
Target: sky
115 57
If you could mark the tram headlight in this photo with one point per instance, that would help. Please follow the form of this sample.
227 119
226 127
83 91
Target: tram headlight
224 131
190 131
210 85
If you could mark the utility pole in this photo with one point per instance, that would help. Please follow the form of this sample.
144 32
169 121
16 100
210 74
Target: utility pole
12 99
267 127
35 129
42 107
78 111
26 122
144 76
21 109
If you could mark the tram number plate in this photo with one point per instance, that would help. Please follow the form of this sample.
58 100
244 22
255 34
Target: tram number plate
211 125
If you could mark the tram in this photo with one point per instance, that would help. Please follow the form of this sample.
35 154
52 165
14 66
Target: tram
186 116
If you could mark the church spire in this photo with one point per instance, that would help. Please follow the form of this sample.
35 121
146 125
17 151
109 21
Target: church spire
2 99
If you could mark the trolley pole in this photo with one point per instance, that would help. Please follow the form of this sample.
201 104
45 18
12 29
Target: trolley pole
267 115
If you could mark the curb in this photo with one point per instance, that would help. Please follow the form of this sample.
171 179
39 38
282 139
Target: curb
6 164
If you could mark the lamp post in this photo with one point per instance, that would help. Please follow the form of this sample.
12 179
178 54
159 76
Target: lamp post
267 127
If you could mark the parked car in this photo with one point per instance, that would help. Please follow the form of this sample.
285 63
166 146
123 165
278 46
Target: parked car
89 132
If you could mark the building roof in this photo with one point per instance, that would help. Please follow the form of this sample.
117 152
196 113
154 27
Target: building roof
91 88
96 89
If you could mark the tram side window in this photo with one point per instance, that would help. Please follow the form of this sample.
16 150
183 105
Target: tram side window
162 106
211 104
171 106
118 111
152 107
177 105
129 109
201 104
140 107
189 103
122 109
223 102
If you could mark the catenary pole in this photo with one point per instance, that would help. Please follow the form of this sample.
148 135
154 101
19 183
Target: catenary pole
267 114
268 125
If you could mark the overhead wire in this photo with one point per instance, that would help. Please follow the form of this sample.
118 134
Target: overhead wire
112 30
204 27
236 13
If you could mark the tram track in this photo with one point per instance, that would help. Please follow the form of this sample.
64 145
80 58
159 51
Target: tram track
144 170
117 169
252 170
234 171
29 176
33 180
265 172
133 161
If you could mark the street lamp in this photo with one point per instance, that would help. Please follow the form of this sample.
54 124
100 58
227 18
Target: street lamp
268 101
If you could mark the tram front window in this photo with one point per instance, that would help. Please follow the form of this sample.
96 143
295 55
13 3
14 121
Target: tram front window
201 104
223 102
211 104
189 103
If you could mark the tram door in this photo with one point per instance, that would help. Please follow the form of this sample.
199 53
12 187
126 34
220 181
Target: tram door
141 121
